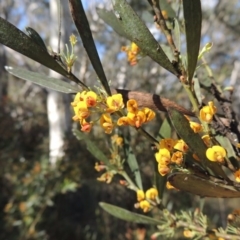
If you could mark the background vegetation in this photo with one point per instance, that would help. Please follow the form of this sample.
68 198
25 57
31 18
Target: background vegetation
38 202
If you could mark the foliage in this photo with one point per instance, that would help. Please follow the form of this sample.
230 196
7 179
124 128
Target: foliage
197 153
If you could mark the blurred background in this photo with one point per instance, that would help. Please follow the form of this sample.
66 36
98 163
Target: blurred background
39 201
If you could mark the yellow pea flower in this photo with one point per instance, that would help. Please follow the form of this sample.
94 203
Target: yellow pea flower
207 112
136 119
140 195
106 123
169 185
237 175
132 106
81 111
216 153
106 177
163 169
149 114
123 121
115 103
167 143
207 140
152 193
145 205
181 146
177 157
196 127
86 126
163 156
91 99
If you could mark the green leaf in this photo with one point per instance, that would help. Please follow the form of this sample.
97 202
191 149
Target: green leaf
195 143
166 6
111 19
165 129
177 34
127 215
17 40
35 37
132 162
44 81
82 25
197 90
140 34
201 186
193 21
91 146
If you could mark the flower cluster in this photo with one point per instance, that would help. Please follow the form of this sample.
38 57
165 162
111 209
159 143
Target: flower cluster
136 117
145 199
207 112
86 101
170 153
132 53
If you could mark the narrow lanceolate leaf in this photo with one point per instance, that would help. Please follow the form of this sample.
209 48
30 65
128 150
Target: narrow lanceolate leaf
132 162
140 34
17 40
202 186
42 80
195 143
82 25
193 21
127 215
111 18
91 146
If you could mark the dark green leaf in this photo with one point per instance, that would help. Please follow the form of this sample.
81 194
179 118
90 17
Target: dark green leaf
127 215
140 34
193 21
111 19
197 90
201 186
91 146
17 40
82 25
195 143
35 37
165 129
177 34
44 81
132 162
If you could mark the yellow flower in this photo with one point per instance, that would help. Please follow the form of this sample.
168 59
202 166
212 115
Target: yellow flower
117 140
163 156
73 39
122 121
167 143
181 146
106 123
144 205
81 111
132 53
152 193
115 103
177 158
91 99
169 185
140 195
237 175
134 48
77 99
196 127
137 119
85 126
188 233
106 177
216 153
207 140
163 169
207 112
99 167
132 106
149 114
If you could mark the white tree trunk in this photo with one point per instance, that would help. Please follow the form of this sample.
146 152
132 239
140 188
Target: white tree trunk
58 107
